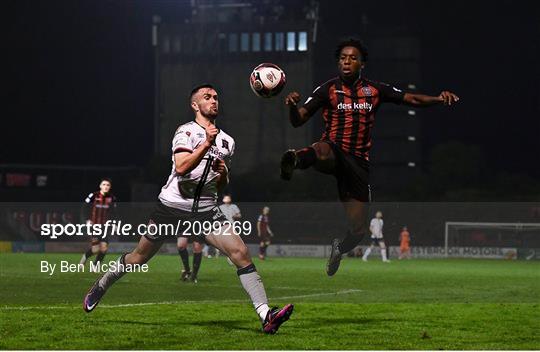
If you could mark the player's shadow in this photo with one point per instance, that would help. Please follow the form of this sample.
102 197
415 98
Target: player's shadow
226 324
229 324
329 321
134 322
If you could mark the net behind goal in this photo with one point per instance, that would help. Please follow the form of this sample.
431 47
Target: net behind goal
485 239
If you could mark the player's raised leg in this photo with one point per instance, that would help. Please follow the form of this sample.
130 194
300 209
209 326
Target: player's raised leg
234 247
141 254
318 155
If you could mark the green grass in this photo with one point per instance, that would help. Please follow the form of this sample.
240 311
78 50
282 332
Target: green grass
417 304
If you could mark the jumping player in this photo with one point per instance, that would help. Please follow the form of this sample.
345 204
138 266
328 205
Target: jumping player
264 232
99 207
404 244
199 171
377 237
349 103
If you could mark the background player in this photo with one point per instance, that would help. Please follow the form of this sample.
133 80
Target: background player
199 171
231 212
349 103
377 238
181 245
404 244
99 207
264 232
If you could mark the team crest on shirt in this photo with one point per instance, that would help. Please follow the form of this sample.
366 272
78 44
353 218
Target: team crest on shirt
367 91
188 133
225 144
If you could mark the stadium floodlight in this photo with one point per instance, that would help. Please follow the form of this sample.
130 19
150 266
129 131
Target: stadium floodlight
494 234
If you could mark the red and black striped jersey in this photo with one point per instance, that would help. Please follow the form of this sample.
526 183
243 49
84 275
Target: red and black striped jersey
100 207
264 220
349 111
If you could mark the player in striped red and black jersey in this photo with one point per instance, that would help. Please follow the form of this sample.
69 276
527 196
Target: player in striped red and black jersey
349 103
99 207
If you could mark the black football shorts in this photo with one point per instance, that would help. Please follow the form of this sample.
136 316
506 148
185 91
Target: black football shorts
184 223
352 174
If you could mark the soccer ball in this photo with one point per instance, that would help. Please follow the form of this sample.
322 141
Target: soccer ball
267 80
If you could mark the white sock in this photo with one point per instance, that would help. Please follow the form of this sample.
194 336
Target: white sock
383 254
111 276
262 311
366 253
252 283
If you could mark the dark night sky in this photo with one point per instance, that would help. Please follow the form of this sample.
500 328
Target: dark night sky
80 76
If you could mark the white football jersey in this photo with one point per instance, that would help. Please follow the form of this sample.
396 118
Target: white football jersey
197 190
376 227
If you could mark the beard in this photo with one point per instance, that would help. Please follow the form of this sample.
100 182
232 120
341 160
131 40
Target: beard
210 114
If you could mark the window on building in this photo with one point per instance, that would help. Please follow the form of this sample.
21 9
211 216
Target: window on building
291 41
302 41
256 42
280 41
268 42
233 42
244 42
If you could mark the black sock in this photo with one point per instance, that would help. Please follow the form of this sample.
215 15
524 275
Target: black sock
88 253
306 157
264 249
184 255
349 242
197 257
261 250
99 257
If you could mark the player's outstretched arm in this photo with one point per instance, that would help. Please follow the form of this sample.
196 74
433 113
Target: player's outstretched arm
421 100
297 116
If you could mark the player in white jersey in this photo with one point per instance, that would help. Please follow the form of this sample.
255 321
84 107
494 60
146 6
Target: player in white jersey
201 154
376 228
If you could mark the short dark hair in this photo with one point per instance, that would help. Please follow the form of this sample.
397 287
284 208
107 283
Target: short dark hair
199 87
106 179
355 43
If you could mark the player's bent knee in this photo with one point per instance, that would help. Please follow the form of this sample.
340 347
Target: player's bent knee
241 253
323 151
197 247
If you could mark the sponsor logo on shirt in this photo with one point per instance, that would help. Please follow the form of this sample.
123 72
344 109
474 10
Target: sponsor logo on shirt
355 106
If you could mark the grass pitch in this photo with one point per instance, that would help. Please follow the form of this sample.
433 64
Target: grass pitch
417 304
